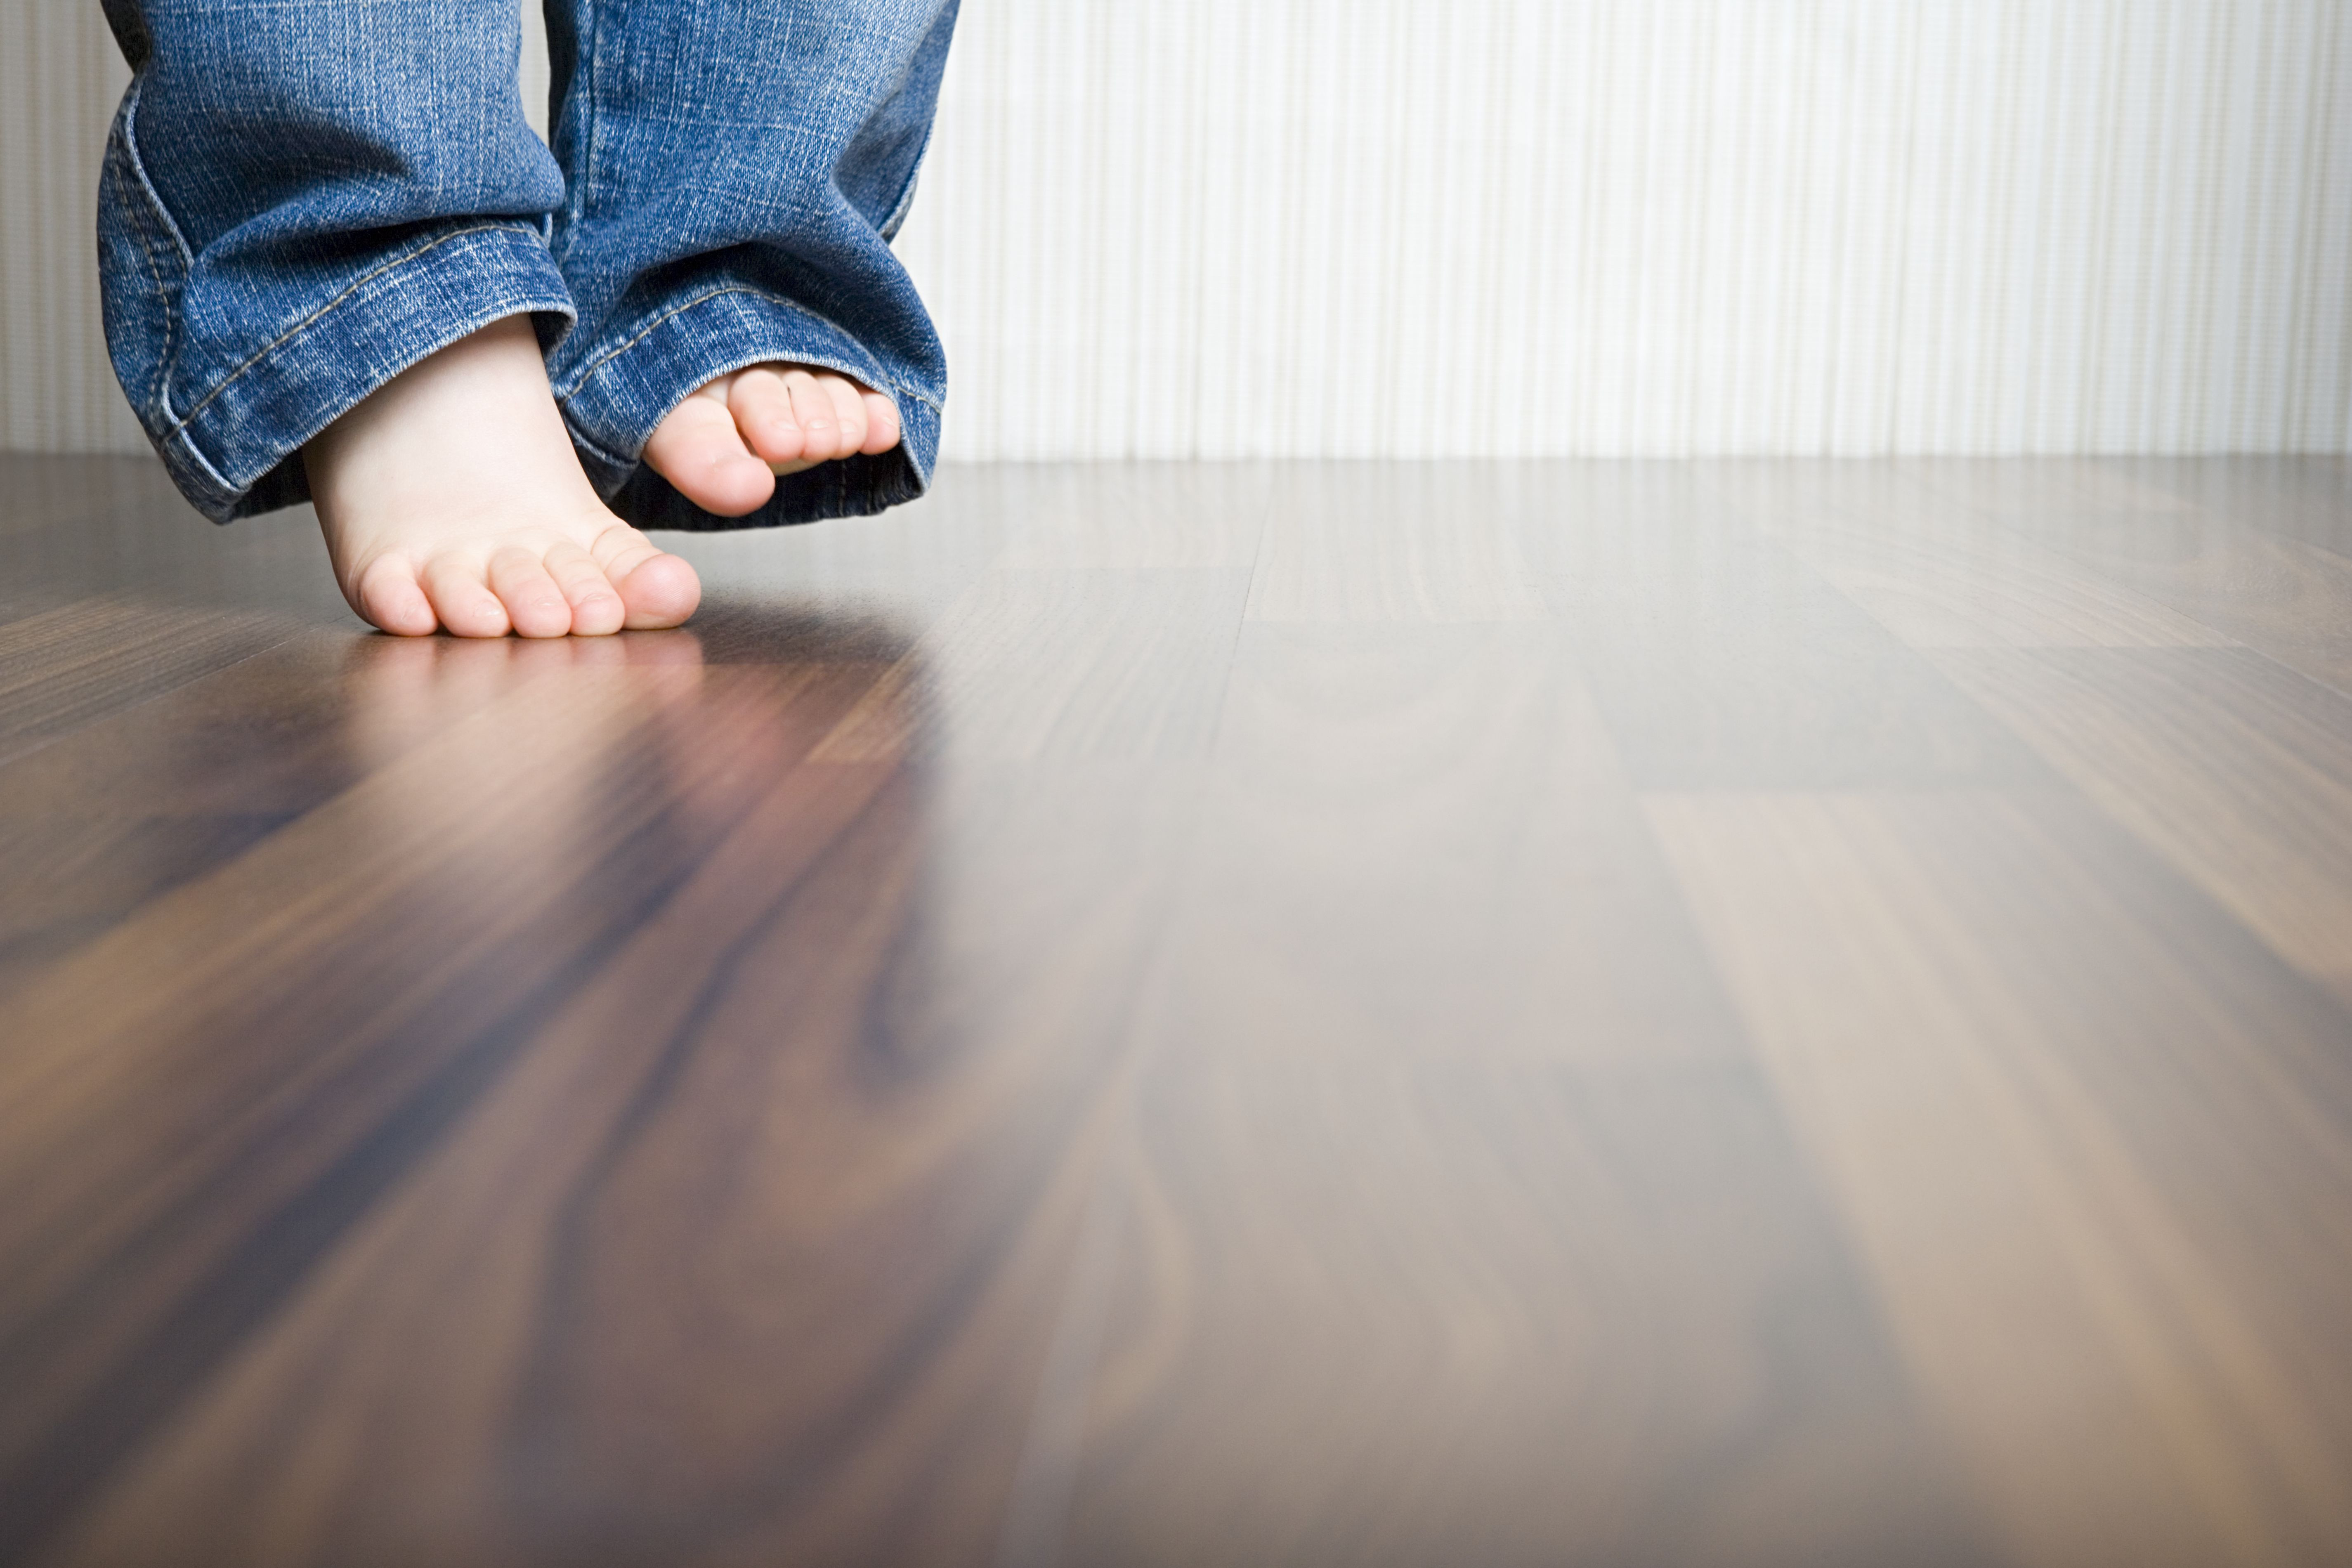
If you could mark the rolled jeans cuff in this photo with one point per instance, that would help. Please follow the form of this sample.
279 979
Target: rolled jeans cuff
613 400
238 448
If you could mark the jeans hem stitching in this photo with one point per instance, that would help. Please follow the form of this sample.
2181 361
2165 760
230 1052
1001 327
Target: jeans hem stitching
590 374
158 390
146 184
599 450
449 331
353 287
185 440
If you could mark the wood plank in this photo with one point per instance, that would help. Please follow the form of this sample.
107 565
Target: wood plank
2302 497
2055 492
193 1106
1387 543
2291 600
2235 769
2255 565
1938 573
1321 1012
865 1047
1063 516
72 880
166 556
65 667
2094 1139
1722 661
1094 664
899 569
98 822
1387 1313
1418 842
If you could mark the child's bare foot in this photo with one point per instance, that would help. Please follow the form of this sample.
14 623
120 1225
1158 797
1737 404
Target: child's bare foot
724 447
451 497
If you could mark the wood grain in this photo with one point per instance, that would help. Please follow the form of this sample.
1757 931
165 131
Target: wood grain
310 1058
2308 499
1937 569
1450 798
1722 660
1518 1013
2018 1049
1387 543
2235 768
1059 516
874 1125
2253 548
995 680
1492 1313
66 667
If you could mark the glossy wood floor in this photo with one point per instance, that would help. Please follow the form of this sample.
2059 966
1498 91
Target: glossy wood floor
1670 1014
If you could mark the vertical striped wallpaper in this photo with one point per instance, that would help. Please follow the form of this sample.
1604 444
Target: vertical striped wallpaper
60 78
1350 227
1227 228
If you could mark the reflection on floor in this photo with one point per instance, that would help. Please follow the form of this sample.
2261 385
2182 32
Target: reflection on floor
1741 1013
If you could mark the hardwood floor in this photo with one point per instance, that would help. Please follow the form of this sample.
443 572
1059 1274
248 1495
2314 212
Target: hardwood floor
1581 1013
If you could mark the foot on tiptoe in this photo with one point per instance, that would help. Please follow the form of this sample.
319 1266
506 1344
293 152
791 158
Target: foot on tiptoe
724 447
451 497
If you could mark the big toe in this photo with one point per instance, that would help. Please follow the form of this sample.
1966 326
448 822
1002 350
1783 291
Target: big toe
661 590
698 450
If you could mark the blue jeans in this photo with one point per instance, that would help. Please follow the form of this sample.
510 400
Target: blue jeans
300 200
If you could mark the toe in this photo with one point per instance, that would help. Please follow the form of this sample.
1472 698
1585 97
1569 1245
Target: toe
535 606
881 424
658 589
388 597
820 419
848 415
661 591
762 406
461 599
696 448
597 608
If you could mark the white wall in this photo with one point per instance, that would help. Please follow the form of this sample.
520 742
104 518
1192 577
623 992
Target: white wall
1348 227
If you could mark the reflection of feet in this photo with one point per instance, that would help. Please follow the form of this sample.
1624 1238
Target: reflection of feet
723 446
404 692
451 497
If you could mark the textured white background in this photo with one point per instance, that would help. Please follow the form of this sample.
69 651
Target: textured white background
1345 227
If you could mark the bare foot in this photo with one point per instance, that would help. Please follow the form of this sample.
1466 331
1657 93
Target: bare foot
724 447
451 497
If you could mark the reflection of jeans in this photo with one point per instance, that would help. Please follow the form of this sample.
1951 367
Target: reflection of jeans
299 200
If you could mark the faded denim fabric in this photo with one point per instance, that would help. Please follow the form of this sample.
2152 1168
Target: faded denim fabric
299 200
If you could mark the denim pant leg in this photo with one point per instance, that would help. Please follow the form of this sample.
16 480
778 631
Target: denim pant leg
301 201
735 170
